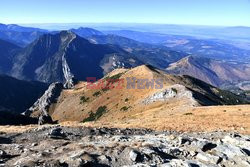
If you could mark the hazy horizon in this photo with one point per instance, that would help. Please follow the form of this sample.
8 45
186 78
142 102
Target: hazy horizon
123 23
178 12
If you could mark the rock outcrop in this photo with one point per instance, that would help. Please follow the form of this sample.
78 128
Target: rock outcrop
175 91
42 104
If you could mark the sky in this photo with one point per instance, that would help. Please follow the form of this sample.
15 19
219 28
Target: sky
191 12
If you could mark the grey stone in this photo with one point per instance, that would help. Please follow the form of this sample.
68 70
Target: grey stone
184 140
230 151
133 155
237 141
178 163
208 158
34 144
2 154
57 133
45 119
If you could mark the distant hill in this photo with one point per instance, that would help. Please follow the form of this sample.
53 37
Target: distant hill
211 71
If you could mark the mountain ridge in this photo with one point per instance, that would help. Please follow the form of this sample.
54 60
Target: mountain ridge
211 71
19 35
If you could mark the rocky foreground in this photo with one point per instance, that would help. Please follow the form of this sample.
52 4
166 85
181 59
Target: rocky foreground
80 146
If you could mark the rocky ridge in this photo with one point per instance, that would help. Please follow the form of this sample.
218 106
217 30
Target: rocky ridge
43 103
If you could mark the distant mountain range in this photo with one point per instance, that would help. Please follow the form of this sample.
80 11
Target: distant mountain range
155 55
19 35
213 32
18 28
209 48
44 59
218 32
23 36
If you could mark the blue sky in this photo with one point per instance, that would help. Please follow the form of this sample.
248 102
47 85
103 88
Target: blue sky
193 12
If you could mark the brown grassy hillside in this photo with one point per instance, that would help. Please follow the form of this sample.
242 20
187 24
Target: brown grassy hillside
178 94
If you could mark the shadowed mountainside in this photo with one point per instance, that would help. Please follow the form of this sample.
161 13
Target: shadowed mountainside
7 51
17 96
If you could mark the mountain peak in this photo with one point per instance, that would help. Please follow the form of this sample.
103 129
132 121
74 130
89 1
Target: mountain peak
66 33
60 38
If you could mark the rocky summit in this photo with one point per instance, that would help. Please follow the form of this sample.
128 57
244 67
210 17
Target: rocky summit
80 146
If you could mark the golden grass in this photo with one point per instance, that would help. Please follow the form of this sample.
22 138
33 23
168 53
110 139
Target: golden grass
16 129
197 119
